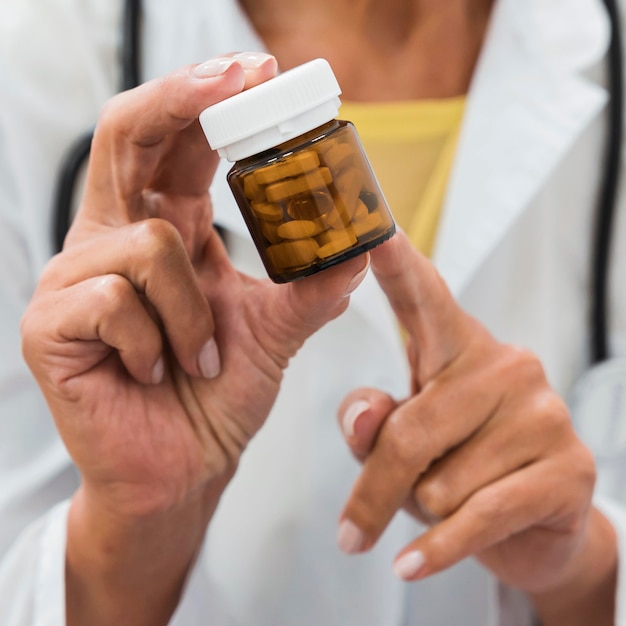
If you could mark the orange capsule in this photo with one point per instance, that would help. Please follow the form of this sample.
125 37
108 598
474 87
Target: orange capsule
360 213
338 241
298 229
338 157
289 254
348 185
317 179
368 224
267 211
295 165
269 230
252 190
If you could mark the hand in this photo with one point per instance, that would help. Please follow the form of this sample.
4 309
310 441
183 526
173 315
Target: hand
159 361
483 452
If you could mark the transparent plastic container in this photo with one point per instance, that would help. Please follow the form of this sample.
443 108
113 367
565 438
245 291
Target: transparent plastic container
300 177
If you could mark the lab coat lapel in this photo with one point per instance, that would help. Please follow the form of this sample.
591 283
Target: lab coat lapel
527 105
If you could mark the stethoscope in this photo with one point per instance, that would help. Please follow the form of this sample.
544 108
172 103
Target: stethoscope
130 65
78 152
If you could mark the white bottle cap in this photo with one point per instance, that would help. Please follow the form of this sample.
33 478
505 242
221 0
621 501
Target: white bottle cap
268 114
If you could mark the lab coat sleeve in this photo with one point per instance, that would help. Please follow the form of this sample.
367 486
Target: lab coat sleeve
616 514
32 580
32 573
201 604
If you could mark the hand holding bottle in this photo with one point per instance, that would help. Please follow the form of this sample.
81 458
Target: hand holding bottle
158 360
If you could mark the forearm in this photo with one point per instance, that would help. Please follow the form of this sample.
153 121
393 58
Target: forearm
587 596
130 571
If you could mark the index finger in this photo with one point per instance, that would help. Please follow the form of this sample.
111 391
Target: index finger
133 128
165 105
438 328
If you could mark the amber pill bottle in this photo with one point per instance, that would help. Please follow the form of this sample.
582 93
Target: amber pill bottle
300 177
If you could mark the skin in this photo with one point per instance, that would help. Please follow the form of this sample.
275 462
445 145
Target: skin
483 453
115 334
369 43
528 470
143 278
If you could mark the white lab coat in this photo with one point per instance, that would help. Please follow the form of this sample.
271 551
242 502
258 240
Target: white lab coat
513 246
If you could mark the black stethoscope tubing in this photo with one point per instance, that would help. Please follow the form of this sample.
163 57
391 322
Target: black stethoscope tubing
608 199
131 77
78 152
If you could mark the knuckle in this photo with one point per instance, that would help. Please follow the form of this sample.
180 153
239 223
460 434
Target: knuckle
54 272
156 240
403 447
551 415
539 399
411 436
111 292
556 410
583 464
434 497
522 364
574 485
109 113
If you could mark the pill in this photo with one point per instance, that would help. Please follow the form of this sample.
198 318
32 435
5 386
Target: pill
269 231
328 144
338 218
294 165
345 237
292 253
339 156
308 206
316 179
370 223
339 242
267 211
321 224
297 229
252 190
360 212
348 185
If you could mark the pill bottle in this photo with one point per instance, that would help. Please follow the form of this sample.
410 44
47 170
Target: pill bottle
300 177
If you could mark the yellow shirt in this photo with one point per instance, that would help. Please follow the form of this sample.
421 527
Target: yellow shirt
411 147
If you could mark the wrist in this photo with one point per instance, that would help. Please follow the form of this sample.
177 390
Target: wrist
585 593
130 569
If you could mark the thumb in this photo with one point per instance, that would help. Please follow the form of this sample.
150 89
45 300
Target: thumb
302 307
438 329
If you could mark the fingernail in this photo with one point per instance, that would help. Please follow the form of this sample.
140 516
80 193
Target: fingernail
409 565
350 537
158 371
209 359
352 414
251 60
212 67
358 279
